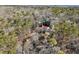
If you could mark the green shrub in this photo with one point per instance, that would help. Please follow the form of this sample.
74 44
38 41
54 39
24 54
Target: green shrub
67 27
